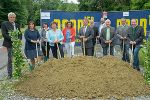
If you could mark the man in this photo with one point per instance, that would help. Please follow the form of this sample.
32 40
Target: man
95 29
86 35
6 27
101 26
135 38
107 38
121 32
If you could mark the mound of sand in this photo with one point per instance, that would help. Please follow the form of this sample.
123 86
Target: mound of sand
84 77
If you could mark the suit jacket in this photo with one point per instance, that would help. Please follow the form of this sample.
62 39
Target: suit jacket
136 35
121 31
95 29
89 34
103 36
6 27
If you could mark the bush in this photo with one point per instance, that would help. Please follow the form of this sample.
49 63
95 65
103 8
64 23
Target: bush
146 53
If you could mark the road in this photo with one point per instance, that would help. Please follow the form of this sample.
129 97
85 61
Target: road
3 55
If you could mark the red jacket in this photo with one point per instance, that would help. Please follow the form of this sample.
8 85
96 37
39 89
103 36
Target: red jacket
73 33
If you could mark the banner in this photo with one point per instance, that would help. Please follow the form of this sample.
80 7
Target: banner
61 17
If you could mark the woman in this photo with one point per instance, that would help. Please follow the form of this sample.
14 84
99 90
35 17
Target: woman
55 38
44 42
69 38
32 37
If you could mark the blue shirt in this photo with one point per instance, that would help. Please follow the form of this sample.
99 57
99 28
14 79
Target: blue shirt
68 36
52 36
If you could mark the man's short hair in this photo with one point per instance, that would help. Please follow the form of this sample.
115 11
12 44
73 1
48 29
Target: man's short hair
11 14
108 20
123 18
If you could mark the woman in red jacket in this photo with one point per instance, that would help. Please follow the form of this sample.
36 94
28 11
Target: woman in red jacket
69 38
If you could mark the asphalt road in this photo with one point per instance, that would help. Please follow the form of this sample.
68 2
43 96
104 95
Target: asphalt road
3 55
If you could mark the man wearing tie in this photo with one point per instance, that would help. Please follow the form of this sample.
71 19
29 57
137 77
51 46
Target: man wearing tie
6 27
86 34
107 38
122 31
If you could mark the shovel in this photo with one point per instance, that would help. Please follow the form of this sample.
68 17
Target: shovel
95 53
46 58
37 54
30 66
58 50
83 47
70 49
131 53
109 49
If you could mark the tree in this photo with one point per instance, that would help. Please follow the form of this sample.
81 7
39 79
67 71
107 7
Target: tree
16 6
68 7
140 4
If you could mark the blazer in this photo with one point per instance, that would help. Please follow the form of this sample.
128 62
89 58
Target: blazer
103 36
73 33
122 31
136 34
31 35
6 27
89 34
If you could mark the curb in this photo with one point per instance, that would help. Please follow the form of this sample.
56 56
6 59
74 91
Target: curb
3 67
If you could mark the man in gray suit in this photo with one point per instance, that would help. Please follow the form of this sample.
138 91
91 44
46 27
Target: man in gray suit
121 32
86 34
107 38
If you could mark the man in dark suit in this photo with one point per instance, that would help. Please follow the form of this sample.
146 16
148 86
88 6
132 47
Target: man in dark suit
6 27
107 38
86 35
135 38
95 29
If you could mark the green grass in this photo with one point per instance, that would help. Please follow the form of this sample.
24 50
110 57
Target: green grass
141 58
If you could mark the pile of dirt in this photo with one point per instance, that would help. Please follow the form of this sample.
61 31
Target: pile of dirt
84 77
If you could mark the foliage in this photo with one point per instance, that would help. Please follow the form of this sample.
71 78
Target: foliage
68 7
17 56
140 4
147 61
110 5
101 5
16 6
27 10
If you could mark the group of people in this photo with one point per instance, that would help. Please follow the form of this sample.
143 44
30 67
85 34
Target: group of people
53 38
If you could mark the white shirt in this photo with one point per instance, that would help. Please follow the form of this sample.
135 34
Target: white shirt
85 28
14 25
108 34
100 28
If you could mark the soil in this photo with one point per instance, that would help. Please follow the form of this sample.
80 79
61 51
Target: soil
84 77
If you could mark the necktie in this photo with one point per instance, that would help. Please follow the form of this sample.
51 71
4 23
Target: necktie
14 26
